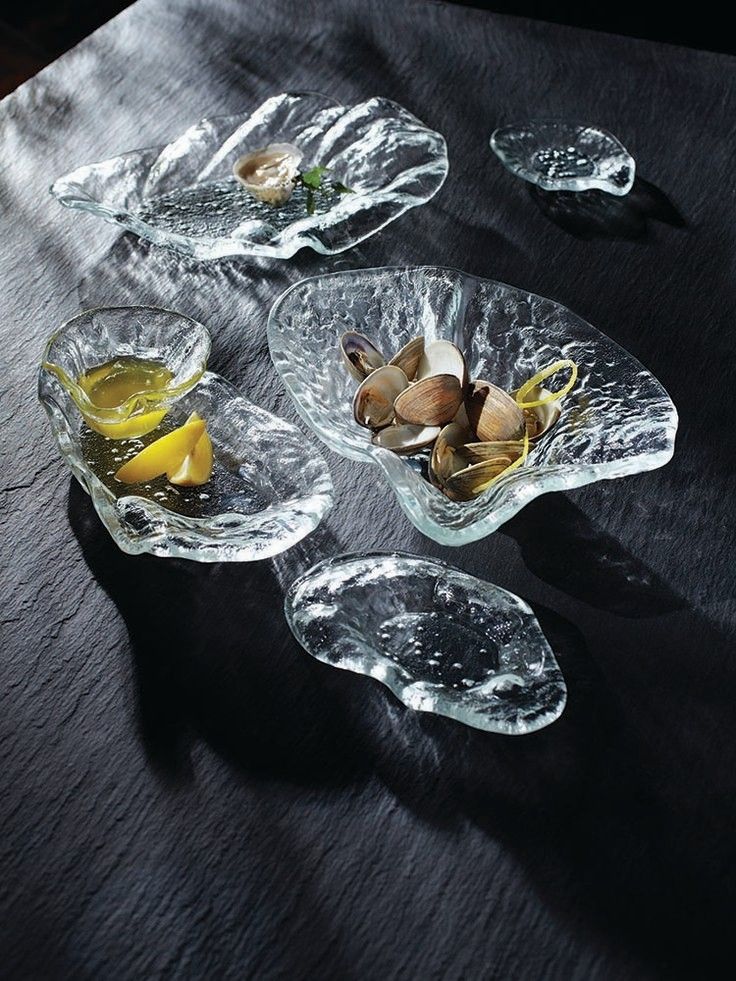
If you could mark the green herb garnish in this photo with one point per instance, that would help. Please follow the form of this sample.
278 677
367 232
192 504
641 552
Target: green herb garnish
312 181
313 178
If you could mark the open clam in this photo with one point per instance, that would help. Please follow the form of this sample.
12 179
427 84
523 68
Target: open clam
492 413
360 356
443 358
405 438
373 405
541 418
269 172
465 484
409 356
463 468
443 461
432 401
422 398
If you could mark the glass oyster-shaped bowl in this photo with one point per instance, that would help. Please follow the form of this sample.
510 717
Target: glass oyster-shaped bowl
565 156
96 337
617 420
441 640
185 196
269 488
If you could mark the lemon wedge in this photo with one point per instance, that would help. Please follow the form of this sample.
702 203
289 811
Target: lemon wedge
164 455
196 467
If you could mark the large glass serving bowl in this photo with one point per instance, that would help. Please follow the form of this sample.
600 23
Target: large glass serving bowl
184 195
618 419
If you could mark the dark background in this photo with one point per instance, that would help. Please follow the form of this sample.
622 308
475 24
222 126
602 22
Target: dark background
183 792
35 32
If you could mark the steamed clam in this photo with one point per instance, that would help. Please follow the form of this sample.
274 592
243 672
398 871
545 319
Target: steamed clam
360 356
423 399
373 404
269 173
462 467
433 401
405 438
540 419
442 358
492 413
409 356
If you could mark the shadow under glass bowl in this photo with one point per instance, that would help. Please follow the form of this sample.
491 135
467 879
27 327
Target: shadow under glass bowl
559 155
269 486
441 640
96 337
617 420
184 195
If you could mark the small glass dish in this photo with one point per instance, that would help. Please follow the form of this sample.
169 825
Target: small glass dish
185 196
269 487
617 420
565 156
96 337
441 640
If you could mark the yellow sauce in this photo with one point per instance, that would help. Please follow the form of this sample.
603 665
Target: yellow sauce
110 385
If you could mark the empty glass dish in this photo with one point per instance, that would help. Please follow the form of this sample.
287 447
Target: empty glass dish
441 640
269 487
617 420
565 156
186 197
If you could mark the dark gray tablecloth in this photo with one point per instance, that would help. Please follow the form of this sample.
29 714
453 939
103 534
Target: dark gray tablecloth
184 792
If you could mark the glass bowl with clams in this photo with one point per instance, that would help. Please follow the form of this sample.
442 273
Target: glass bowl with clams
299 170
473 397
177 462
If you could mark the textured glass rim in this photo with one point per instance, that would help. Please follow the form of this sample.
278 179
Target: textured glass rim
394 467
592 183
393 553
103 497
122 412
390 674
233 248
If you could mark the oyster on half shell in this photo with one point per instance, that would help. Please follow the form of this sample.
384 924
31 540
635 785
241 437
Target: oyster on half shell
268 173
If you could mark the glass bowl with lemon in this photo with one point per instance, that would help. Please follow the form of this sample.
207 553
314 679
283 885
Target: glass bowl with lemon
177 462
124 366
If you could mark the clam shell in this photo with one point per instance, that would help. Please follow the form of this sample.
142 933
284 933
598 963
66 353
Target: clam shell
430 402
466 484
268 173
480 452
443 462
492 413
360 356
373 404
442 358
405 438
541 418
462 469
461 417
409 356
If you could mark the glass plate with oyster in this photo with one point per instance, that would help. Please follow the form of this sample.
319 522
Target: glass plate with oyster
298 171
